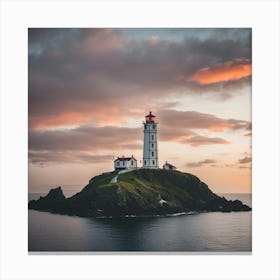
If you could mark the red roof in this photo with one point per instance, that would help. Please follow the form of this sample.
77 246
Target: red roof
150 115
124 158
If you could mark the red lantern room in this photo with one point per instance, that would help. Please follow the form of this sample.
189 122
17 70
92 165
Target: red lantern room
150 118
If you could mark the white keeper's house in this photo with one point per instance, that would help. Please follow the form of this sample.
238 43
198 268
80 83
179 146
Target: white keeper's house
125 163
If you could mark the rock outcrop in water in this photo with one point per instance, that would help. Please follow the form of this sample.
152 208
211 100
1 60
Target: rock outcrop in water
138 192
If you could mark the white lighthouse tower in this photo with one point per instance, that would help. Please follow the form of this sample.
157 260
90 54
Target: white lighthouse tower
150 151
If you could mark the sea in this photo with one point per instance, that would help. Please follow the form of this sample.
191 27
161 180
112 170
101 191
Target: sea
212 232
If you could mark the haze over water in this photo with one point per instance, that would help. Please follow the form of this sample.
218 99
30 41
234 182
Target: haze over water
204 232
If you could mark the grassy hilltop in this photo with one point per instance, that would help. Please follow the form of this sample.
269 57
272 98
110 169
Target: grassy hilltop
138 192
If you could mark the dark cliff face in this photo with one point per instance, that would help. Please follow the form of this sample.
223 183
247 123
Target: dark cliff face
138 192
55 195
51 202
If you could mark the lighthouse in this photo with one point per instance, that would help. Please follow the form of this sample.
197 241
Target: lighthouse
150 151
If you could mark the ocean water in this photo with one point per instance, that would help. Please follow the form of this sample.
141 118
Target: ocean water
198 232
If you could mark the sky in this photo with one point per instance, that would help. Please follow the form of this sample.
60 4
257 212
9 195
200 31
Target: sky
89 90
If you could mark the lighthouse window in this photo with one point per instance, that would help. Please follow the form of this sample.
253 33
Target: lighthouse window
152 145
152 154
152 136
154 127
118 163
153 162
145 126
144 162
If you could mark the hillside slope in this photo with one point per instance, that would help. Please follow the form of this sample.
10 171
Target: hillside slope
138 192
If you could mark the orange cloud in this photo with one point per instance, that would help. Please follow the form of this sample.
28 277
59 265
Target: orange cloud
248 134
96 116
222 72
64 119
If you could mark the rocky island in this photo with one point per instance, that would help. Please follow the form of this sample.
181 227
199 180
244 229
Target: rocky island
138 192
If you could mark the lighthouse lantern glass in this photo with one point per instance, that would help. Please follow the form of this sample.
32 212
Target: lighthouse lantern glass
150 118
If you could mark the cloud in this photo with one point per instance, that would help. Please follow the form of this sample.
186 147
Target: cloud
98 42
214 163
244 167
169 133
177 126
248 134
182 126
198 120
98 75
230 70
201 163
245 160
199 140
46 157
86 85
100 116
82 143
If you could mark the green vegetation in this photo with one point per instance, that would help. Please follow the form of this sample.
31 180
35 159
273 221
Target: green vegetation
140 192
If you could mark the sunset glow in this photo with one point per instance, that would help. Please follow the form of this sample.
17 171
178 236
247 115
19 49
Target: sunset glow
227 71
90 89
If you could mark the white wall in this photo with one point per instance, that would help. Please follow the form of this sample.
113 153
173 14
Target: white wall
150 151
132 163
